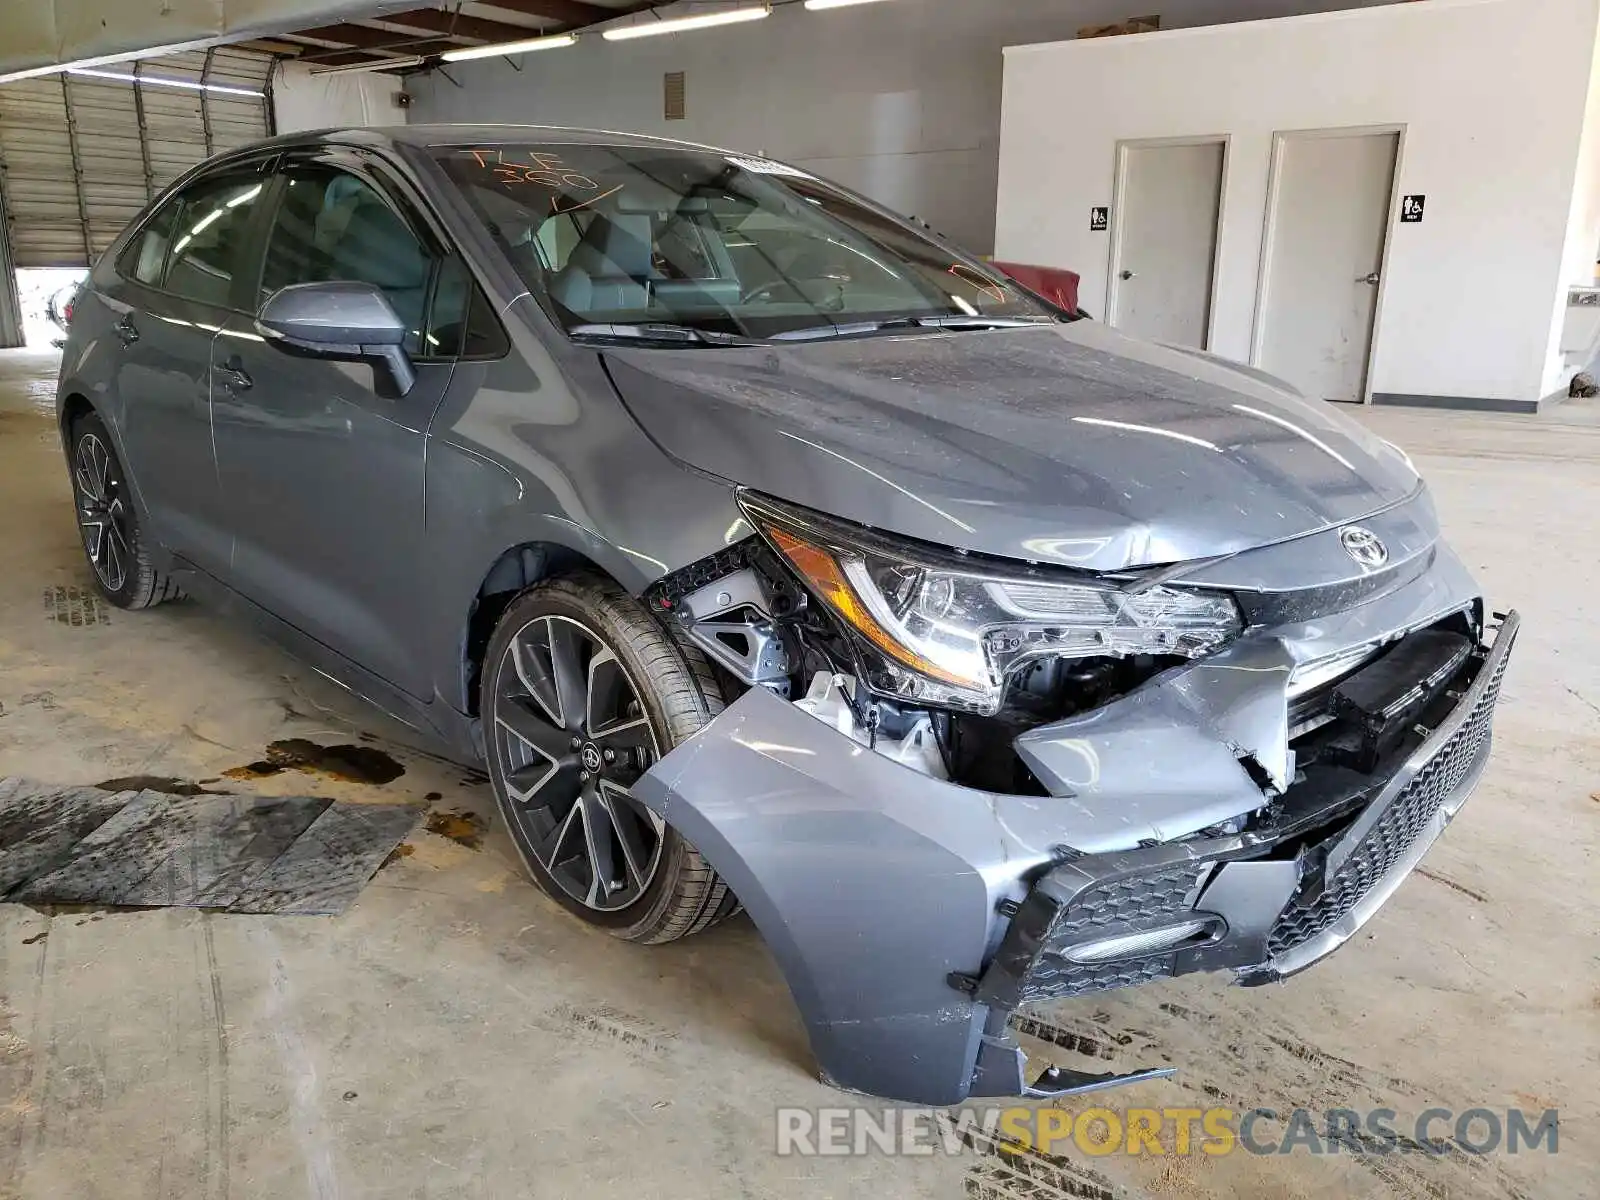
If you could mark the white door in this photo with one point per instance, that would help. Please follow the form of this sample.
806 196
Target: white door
1325 250
1166 243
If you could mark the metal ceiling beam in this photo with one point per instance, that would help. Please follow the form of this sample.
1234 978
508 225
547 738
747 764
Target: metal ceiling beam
350 58
359 36
568 12
434 20
270 46
321 56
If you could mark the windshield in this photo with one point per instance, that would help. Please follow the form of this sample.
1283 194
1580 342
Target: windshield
616 237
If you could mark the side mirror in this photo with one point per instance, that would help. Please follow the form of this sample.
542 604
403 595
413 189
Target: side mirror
342 319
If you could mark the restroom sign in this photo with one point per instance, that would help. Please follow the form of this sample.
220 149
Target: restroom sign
1099 219
1411 209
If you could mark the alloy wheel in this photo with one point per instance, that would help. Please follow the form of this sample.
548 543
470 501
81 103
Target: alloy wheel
571 737
103 515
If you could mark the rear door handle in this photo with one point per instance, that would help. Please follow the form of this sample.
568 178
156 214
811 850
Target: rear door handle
235 377
126 330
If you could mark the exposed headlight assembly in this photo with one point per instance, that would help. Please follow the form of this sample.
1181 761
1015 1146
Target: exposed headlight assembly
942 632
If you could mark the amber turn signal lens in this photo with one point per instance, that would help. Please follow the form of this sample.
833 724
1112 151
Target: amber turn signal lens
822 571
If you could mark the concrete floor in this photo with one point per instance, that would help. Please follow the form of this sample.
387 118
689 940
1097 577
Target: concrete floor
455 1034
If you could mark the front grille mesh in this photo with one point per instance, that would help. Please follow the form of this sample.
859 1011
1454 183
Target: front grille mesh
1131 903
1395 831
1053 977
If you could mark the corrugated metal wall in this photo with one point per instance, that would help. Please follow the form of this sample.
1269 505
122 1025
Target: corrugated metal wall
80 155
11 333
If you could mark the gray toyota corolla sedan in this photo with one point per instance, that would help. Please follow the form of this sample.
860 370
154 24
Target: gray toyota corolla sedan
772 552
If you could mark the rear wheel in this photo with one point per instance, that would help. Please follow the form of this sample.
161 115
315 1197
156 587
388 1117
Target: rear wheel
113 538
582 694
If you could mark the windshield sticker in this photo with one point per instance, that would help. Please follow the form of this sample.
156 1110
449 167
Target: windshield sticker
763 166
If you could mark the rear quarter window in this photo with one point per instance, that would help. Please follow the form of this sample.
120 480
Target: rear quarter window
145 257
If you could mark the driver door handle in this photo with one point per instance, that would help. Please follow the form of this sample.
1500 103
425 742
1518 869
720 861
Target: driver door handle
234 377
1371 277
1127 274
127 332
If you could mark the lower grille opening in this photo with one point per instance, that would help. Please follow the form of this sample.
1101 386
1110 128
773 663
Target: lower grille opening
1395 831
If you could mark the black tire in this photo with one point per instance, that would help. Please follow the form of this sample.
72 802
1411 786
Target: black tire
675 690
120 556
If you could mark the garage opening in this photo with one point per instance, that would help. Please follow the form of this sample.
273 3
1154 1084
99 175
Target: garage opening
44 293
81 152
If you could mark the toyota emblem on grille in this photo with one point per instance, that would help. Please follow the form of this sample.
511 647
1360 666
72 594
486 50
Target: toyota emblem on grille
1364 546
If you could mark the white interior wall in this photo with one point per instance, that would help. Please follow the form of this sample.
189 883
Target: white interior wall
1579 262
1583 233
900 100
1492 96
301 100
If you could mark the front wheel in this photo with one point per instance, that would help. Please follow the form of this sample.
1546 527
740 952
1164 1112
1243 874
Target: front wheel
582 693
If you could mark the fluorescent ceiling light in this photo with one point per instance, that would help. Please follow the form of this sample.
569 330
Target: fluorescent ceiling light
163 81
816 4
526 46
641 29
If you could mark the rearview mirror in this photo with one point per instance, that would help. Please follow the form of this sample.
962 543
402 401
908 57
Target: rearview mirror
342 319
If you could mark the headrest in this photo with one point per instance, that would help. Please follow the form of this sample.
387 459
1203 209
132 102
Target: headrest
617 245
363 232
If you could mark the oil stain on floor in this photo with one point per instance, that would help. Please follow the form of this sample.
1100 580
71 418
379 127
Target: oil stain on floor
346 763
463 828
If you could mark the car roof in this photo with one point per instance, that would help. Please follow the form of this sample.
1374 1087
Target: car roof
456 135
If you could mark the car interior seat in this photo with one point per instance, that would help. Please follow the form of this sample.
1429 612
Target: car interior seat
363 238
610 269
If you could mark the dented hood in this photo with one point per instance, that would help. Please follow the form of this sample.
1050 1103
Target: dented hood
1062 443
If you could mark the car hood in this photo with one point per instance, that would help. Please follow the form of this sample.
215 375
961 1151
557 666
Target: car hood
1068 444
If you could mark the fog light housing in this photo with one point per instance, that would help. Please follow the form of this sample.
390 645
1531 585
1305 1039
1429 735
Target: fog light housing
1200 929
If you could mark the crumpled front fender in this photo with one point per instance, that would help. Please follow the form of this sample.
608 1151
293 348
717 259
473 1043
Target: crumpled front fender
870 883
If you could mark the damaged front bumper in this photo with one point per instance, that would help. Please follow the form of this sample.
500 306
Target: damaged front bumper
912 916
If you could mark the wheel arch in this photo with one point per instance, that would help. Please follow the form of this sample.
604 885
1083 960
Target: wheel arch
74 406
516 570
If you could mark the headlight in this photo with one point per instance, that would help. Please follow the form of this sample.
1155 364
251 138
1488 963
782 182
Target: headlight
941 632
